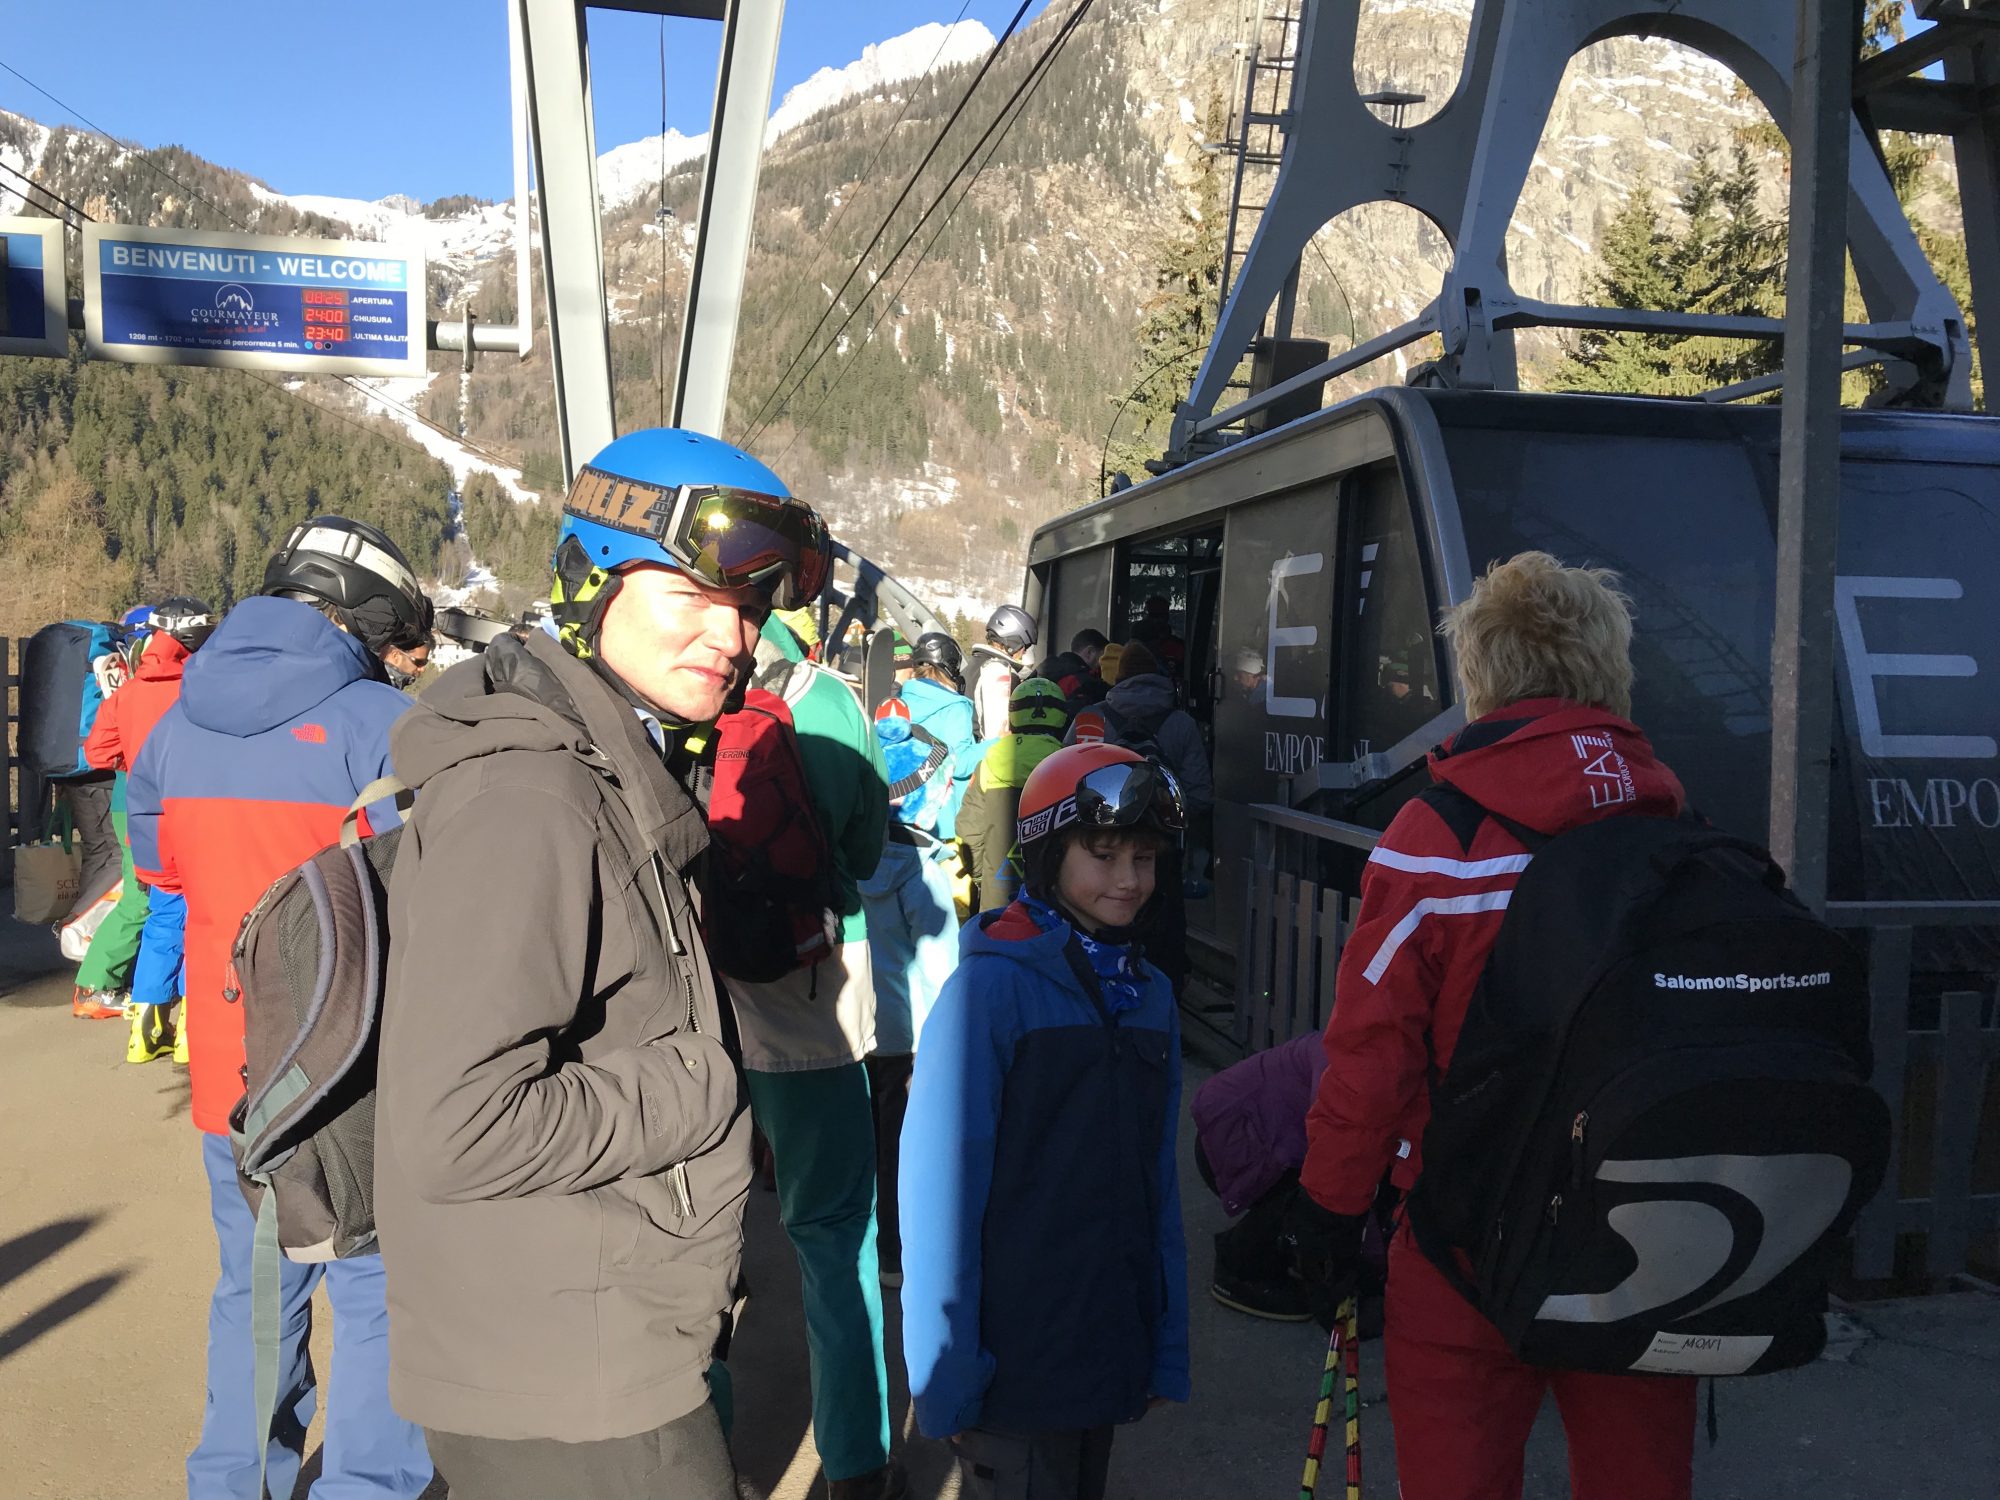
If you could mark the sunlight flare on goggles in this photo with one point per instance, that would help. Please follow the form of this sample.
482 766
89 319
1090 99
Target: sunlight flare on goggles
726 538
1122 795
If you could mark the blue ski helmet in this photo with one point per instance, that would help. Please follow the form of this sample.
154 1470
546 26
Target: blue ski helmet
690 502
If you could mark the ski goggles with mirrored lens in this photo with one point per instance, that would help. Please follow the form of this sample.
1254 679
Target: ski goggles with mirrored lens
726 538
1122 795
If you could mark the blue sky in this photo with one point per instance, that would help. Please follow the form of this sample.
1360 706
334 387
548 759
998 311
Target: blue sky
372 97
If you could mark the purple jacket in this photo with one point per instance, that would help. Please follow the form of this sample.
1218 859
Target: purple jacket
1251 1119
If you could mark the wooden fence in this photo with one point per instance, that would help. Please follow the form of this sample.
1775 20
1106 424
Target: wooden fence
1940 1080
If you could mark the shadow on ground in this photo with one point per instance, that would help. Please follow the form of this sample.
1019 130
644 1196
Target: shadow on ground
27 951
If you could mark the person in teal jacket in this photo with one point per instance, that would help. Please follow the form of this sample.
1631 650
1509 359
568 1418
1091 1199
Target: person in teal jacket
912 939
935 697
804 1040
1045 1271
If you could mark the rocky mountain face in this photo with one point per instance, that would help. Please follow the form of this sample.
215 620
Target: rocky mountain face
940 411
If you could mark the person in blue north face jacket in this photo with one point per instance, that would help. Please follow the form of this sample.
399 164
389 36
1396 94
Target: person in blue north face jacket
1045 1273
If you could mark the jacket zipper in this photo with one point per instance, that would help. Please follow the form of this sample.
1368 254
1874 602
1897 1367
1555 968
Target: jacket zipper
1576 1129
677 1174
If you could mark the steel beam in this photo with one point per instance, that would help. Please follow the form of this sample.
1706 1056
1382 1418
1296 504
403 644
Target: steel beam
552 32
1538 37
728 205
1921 106
524 230
1338 155
1802 638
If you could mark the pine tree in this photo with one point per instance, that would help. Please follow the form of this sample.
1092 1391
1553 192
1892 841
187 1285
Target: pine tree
1180 316
1724 257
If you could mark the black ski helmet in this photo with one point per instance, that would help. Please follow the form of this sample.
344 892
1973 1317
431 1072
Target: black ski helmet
936 649
363 576
1012 626
187 620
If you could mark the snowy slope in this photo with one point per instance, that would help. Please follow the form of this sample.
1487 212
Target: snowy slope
624 172
23 159
880 65
395 399
460 241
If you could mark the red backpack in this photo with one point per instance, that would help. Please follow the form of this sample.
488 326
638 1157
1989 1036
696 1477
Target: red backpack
770 870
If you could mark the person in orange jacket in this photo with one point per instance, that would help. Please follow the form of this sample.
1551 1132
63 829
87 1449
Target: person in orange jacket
179 626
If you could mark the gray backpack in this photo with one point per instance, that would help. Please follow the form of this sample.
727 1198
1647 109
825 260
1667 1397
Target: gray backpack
308 967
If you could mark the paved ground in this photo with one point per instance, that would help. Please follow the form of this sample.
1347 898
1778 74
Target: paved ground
106 1263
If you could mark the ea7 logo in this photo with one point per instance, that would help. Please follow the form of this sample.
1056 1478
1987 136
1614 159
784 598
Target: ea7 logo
1608 779
1682 1245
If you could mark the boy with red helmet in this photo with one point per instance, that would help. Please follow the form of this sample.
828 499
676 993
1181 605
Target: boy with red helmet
1038 1151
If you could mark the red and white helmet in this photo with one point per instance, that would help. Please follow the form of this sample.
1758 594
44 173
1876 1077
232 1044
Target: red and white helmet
1095 786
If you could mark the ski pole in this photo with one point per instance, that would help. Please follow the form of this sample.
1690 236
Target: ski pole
1343 1353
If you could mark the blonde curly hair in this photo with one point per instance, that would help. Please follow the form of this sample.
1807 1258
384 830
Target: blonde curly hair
1533 628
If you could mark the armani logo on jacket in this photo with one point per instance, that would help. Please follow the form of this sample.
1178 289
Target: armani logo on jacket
1608 778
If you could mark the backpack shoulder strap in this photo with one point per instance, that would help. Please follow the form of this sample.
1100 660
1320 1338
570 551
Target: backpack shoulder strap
1463 813
380 788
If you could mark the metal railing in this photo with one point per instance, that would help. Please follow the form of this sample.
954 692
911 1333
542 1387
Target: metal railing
1936 1074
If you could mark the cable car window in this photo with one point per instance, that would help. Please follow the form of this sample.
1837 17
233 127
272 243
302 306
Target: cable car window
1080 582
1389 680
1166 596
1686 529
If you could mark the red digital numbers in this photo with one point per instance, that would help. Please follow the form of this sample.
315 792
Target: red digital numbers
324 297
327 315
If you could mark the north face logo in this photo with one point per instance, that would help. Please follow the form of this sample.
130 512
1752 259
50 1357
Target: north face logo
311 734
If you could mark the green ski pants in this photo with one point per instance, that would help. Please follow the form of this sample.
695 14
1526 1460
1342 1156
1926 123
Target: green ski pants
115 947
821 1127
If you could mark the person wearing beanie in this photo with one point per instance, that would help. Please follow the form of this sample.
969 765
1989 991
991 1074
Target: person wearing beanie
1045 1271
1037 715
1110 660
912 937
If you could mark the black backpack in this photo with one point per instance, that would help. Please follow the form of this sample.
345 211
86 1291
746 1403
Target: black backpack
308 967
1140 736
1657 1124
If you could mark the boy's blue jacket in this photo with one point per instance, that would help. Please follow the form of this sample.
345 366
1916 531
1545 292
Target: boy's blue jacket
1045 1273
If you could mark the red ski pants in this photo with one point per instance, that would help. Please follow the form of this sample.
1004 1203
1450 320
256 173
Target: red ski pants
1462 1405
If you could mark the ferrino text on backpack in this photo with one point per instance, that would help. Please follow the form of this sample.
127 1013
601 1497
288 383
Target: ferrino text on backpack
768 907
309 966
1657 1124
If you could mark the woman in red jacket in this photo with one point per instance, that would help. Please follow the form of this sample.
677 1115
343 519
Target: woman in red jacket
1545 670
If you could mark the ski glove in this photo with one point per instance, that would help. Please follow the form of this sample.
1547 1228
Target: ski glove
1325 1250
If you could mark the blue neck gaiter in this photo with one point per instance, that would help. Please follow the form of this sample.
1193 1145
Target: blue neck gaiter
1116 965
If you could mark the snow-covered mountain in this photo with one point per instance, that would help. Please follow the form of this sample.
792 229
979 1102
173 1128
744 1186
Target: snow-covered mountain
454 242
624 172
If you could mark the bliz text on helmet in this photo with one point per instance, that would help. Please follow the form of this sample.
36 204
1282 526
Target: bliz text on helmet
1754 983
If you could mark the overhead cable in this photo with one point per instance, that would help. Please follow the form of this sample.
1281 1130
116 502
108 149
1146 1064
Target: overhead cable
825 237
758 423
1017 103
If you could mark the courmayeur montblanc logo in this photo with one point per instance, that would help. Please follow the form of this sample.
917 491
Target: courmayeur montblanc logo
235 307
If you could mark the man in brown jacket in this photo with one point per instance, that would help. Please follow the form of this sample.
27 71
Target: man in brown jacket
563 1149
